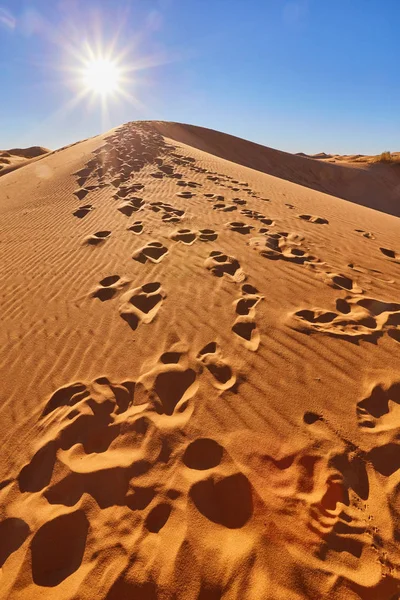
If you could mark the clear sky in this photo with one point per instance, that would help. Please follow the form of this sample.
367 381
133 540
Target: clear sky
298 75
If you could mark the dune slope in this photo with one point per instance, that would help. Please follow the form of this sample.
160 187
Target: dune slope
200 374
372 185
13 159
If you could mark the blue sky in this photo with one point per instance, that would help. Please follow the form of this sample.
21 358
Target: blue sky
298 75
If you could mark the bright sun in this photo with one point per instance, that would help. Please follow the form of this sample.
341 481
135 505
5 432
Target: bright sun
101 76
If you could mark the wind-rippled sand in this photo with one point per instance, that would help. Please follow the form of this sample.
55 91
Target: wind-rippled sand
200 374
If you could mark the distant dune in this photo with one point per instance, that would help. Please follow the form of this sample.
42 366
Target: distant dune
18 157
30 152
200 372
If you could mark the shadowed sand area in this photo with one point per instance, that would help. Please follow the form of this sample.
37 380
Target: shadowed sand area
200 366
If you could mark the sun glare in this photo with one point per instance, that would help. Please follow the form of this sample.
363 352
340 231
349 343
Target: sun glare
101 76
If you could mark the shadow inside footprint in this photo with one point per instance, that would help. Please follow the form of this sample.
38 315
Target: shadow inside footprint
186 236
227 502
82 211
171 386
153 251
207 235
13 533
202 454
98 238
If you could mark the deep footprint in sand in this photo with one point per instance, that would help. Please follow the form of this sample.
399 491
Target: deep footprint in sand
136 228
211 357
81 193
356 318
391 254
186 236
153 251
185 194
130 206
282 246
142 304
224 207
207 235
314 219
366 234
98 238
109 287
245 326
203 454
240 227
82 211
380 411
222 265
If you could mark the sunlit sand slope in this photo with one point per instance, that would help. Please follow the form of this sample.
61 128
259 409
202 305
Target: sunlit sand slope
200 377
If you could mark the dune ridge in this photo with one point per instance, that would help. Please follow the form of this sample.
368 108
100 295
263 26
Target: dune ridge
375 186
200 376
13 159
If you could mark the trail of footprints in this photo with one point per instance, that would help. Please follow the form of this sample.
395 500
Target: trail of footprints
244 326
127 152
133 426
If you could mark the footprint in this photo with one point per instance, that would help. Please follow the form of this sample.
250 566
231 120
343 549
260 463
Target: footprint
284 246
124 191
142 304
366 234
223 265
136 228
173 387
226 501
239 201
211 357
186 236
170 213
109 287
203 454
356 318
85 172
291 206
391 254
98 238
247 304
246 329
53 563
240 227
13 533
153 251
131 206
207 235
342 282
314 219
224 207
215 197
81 193
158 517
380 411
192 184
254 214
82 211
185 194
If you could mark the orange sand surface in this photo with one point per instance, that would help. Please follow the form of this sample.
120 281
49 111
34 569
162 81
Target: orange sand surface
200 372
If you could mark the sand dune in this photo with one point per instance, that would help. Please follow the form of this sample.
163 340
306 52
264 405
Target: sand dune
375 186
200 373
19 157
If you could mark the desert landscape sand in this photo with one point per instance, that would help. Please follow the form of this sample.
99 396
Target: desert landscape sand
200 367
10 160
